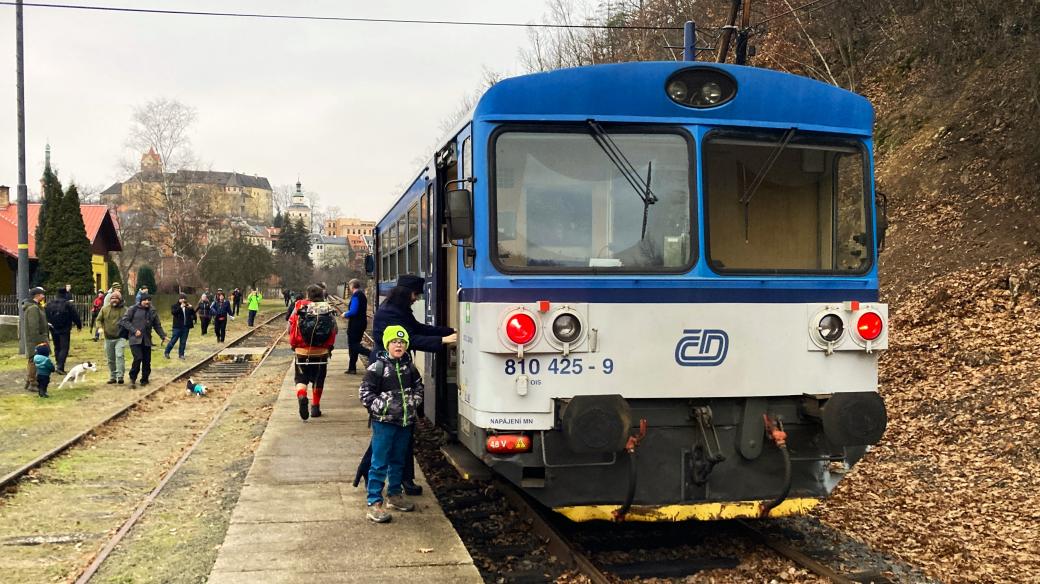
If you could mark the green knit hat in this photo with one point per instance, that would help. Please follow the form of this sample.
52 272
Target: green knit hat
394 332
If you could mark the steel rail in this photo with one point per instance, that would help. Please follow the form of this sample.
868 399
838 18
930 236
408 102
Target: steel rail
16 475
557 544
790 552
139 512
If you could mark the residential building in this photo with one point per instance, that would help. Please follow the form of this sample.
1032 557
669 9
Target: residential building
101 227
328 250
344 226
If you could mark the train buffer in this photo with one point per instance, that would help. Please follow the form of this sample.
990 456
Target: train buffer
300 519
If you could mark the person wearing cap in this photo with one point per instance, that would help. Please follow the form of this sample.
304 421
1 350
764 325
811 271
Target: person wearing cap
44 368
143 291
115 336
36 332
183 320
116 287
392 392
396 310
139 322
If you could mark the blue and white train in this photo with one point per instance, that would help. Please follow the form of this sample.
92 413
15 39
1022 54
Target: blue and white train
664 278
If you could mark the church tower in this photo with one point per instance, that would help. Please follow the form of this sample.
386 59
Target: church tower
299 209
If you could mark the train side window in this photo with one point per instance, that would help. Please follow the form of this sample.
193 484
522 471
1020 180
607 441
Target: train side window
427 231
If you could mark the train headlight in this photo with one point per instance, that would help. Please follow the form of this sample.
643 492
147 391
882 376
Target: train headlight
700 87
869 326
521 328
831 328
566 328
711 93
677 91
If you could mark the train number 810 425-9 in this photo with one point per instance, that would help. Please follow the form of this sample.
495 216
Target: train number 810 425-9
557 366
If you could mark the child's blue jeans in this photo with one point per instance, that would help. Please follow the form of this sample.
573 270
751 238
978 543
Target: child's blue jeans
389 451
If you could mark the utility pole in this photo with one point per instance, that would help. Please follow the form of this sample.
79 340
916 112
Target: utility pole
727 31
22 279
741 55
689 41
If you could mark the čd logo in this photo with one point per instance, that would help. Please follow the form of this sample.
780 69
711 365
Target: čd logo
702 348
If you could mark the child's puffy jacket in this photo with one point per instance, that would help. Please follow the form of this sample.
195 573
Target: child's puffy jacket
392 390
44 365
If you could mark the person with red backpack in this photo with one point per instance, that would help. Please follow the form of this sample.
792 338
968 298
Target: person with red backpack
99 303
312 334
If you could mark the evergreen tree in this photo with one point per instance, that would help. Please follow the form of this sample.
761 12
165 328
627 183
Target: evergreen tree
279 220
302 240
49 206
286 238
67 257
145 277
113 274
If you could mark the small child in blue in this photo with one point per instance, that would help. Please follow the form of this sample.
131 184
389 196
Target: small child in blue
392 392
44 367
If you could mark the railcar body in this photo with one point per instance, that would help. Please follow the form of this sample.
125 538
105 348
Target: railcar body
651 267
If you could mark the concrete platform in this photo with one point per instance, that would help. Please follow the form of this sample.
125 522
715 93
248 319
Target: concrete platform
300 519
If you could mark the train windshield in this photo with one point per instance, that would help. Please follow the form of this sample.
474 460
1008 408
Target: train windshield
785 204
563 205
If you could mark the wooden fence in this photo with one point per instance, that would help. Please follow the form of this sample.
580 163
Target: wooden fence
9 306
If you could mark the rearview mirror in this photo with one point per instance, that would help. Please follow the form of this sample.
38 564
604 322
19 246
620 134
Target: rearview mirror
459 210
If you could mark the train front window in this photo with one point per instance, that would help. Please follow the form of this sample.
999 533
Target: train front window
563 205
794 208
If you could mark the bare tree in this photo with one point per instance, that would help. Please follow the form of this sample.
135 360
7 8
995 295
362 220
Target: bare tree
282 197
163 125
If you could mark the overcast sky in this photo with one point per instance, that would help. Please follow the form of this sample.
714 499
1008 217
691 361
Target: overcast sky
348 107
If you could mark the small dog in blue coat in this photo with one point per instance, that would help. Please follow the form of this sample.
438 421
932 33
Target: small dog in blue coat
196 389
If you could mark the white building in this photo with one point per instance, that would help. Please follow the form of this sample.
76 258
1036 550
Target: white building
299 209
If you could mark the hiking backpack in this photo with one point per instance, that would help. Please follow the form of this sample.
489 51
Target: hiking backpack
315 323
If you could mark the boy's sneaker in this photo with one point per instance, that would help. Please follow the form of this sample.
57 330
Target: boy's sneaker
304 412
378 514
315 411
400 503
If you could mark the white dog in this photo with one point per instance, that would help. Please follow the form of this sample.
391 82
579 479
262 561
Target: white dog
78 373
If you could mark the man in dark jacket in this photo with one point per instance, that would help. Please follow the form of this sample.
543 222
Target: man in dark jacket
357 322
183 321
236 301
62 315
35 319
139 322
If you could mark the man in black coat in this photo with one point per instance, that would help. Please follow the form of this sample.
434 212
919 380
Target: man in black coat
139 322
397 309
183 321
61 314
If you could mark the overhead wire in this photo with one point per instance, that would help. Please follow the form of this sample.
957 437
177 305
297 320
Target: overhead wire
99 8
793 10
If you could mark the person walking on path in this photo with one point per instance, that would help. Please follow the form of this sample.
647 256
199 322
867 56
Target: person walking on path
62 315
397 310
139 322
286 294
253 304
44 367
221 311
36 330
312 333
357 322
115 337
183 321
143 291
116 287
236 300
99 303
392 392
66 292
204 312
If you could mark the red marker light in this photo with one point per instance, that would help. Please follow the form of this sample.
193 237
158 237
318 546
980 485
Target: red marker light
543 306
521 328
508 443
869 325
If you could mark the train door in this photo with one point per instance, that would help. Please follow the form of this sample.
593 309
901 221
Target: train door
445 289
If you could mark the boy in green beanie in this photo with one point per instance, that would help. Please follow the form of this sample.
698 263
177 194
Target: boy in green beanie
392 391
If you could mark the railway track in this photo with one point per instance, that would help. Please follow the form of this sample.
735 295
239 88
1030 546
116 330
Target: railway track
213 371
496 521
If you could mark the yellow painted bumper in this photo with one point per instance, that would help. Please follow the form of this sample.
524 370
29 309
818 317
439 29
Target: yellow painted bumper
697 511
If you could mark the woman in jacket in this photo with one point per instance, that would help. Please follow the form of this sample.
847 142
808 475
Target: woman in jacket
220 310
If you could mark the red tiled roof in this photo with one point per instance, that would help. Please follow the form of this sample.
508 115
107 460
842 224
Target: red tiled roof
93 219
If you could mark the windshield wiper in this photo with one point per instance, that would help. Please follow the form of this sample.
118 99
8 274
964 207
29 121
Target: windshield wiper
624 166
745 199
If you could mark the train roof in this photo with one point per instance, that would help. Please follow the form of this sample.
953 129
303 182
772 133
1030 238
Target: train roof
636 92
